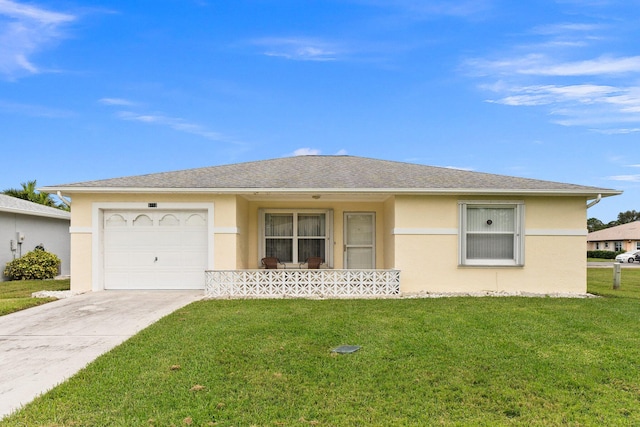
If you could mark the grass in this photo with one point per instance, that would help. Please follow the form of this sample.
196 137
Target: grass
600 282
16 295
599 260
454 361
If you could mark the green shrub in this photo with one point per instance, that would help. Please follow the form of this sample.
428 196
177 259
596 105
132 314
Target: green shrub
35 265
603 254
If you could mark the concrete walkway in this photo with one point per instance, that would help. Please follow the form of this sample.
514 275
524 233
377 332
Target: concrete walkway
42 346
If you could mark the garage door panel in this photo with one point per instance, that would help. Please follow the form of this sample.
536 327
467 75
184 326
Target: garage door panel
170 237
193 259
119 237
117 277
141 280
117 260
155 250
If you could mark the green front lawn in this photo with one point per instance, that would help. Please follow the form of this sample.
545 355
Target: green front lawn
16 295
600 282
450 361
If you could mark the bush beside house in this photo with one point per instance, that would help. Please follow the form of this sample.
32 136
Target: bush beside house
25 225
35 265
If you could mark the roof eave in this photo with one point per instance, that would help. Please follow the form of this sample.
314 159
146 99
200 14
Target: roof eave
62 215
586 192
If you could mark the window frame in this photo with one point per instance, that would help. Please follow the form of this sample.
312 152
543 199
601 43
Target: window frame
518 207
328 248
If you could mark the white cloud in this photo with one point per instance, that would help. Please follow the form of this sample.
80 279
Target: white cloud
27 30
578 104
116 101
569 71
33 110
539 64
306 152
621 131
299 49
626 178
175 123
460 168
591 67
554 94
421 9
566 27
16 10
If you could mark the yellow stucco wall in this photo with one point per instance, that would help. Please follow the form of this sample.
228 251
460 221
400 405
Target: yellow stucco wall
242 240
390 239
427 251
415 234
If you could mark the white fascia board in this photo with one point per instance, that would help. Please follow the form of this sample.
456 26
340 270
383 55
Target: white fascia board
62 215
403 191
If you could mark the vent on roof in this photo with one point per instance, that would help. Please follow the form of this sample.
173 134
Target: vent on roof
152 205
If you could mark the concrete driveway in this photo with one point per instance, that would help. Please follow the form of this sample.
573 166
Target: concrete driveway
42 346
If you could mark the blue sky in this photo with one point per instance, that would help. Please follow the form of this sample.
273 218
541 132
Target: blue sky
539 89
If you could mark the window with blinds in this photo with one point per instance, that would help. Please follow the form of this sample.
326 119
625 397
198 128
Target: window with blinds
491 233
295 235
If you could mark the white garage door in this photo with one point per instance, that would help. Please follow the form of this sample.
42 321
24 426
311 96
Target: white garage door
155 250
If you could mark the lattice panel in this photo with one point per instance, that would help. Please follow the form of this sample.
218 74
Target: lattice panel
301 283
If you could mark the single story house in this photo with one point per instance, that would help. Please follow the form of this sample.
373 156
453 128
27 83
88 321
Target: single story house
625 237
25 225
379 226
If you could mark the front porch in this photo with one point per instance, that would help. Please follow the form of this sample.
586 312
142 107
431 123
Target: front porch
285 283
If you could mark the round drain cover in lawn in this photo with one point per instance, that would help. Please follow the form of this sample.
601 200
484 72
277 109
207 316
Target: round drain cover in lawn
344 349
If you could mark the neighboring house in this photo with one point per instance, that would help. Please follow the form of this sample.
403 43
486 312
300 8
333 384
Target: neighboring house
25 225
625 237
443 230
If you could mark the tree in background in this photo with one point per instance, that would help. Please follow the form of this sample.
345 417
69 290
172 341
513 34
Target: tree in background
594 224
627 217
29 192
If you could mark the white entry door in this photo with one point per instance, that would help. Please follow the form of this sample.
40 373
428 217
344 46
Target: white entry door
360 240
155 250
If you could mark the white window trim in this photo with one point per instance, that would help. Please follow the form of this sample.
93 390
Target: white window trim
518 259
328 259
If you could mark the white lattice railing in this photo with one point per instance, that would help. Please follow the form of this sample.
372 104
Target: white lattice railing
301 283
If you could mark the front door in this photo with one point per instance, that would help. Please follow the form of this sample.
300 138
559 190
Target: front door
359 240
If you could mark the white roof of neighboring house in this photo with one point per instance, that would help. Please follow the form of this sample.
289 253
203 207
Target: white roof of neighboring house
25 207
629 231
330 174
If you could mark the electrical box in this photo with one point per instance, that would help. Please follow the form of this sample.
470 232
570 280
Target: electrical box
20 238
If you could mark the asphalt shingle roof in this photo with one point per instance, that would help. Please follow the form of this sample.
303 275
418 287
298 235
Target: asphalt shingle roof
15 205
329 173
628 231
